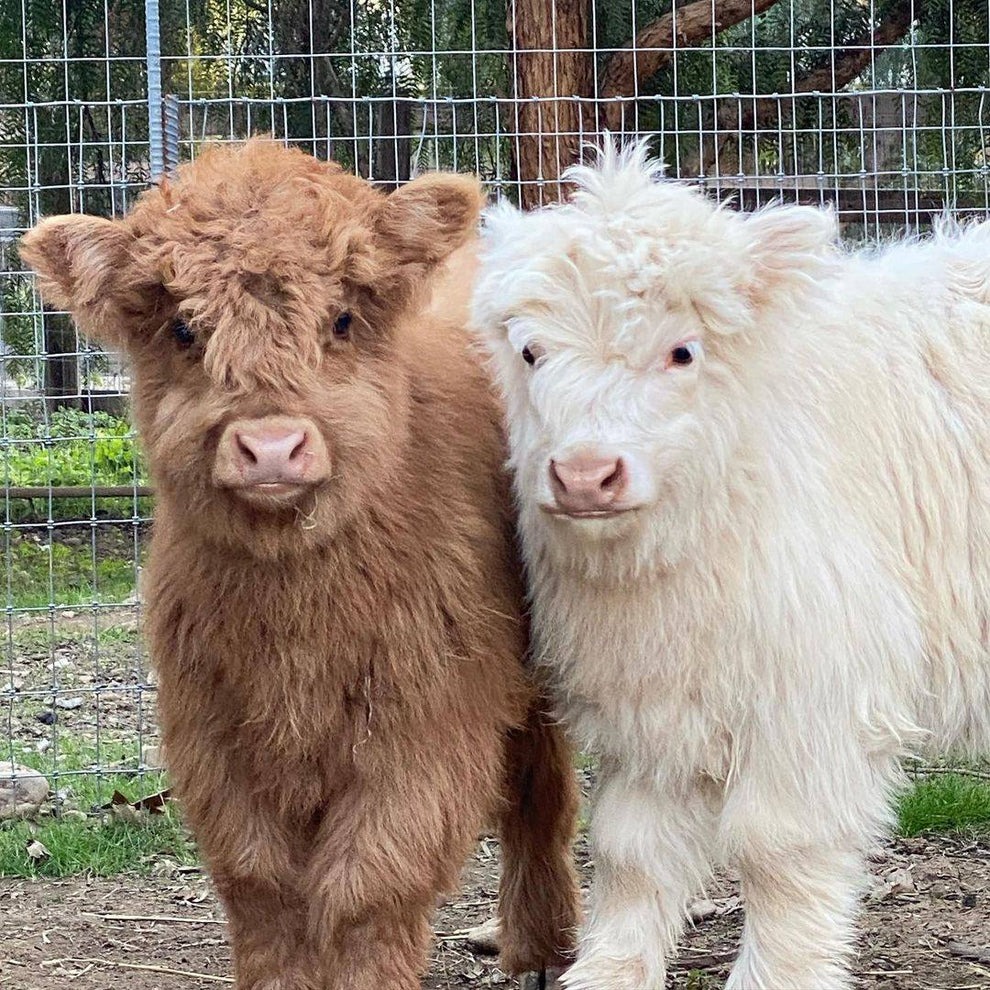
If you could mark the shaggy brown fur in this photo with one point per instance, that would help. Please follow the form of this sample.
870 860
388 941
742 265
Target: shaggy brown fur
342 694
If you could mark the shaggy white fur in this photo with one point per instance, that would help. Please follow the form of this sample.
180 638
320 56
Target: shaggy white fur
801 592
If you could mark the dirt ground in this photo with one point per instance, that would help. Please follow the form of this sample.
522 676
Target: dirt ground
926 926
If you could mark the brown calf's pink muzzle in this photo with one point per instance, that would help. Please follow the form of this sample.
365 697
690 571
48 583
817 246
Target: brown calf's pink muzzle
585 484
272 455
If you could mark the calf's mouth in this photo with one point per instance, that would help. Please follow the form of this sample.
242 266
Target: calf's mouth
271 461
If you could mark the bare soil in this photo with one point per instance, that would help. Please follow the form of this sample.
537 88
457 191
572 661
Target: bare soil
925 927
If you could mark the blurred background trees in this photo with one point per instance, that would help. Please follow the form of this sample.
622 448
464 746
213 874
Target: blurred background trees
845 93
375 80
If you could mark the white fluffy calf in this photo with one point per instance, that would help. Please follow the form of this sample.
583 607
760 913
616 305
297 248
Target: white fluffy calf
754 481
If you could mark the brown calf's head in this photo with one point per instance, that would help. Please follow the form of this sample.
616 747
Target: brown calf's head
259 295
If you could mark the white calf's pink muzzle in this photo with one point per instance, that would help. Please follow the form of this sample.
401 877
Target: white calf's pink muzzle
588 485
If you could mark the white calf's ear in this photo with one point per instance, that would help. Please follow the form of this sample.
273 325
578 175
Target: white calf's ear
425 220
78 259
788 246
499 267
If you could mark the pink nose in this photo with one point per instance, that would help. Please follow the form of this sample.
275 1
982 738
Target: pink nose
585 483
273 450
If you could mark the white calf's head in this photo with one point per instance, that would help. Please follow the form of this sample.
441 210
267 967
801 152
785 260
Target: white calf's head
624 328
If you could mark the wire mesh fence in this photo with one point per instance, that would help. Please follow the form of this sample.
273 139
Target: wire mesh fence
880 107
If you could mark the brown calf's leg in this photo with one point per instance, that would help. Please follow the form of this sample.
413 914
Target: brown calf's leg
384 853
255 867
266 924
538 900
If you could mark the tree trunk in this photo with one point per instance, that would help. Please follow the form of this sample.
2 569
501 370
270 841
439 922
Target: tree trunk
61 362
60 378
390 166
550 67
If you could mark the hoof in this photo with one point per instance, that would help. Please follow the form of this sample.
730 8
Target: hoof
546 979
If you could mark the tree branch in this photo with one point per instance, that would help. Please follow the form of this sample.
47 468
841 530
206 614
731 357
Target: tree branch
847 63
737 116
653 46
843 67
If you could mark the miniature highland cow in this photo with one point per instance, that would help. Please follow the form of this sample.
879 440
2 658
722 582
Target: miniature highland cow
334 600
753 473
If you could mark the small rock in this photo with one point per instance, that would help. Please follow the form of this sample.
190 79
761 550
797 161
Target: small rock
125 813
43 745
702 910
46 718
969 900
22 791
485 938
74 815
69 704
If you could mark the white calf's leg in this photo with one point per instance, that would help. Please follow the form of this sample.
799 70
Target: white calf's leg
652 853
801 906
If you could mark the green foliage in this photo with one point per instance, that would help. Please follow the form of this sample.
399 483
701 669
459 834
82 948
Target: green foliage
69 448
945 802
771 53
19 330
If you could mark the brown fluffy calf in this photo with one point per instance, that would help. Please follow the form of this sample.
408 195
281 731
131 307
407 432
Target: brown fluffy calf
334 601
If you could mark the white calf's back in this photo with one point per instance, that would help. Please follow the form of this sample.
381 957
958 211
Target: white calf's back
784 584
834 588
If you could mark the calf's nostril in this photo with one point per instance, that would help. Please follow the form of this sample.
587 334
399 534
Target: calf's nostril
245 450
616 479
298 449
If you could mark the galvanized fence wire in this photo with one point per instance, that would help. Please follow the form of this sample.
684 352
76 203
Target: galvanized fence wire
877 106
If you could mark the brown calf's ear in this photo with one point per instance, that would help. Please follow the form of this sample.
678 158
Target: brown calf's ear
425 220
77 259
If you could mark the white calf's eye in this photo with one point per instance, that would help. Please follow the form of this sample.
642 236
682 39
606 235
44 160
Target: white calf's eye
684 353
532 353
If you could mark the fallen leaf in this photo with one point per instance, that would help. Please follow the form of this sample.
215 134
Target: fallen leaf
899 881
37 851
154 803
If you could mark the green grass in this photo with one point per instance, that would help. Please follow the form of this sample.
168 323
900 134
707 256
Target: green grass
86 840
41 573
96 847
945 802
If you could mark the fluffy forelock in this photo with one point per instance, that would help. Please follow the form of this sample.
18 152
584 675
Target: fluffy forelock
626 238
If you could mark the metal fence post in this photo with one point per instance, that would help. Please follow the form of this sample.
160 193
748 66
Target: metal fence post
156 143
171 142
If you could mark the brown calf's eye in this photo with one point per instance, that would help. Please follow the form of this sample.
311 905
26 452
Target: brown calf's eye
342 326
183 335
